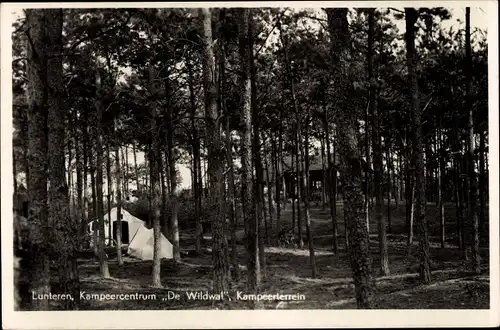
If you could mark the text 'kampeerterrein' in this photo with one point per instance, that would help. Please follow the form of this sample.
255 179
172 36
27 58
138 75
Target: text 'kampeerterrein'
205 295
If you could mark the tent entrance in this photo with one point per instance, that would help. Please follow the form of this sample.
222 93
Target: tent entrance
125 232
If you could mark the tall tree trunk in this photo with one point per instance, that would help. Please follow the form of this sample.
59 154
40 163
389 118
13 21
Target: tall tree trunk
125 172
136 169
256 149
166 219
79 182
254 276
147 169
331 183
277 170
323 170
368 177
473 209
265 210
269 195
441 171
118 176
232 202
293 176
69 145
377 151
298 161
196 160
215 160
400 176
425 273
65 228
94 202
410 195
38 266
109 183
458 201
279 164
103 263
351 164
291 83
154 159
86 204
390 183
307 197
483 229
172 181
231 191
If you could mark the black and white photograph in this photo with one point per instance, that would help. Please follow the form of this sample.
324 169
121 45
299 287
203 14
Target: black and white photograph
250 156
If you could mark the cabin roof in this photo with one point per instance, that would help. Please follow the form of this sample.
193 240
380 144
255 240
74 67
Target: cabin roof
315 163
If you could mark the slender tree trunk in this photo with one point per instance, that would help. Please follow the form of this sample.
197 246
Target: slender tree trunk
254 276
265 210
278 179
269 196
94 203
125 172
293 177
109 192
118 225
400 176
164 197
307 195
147 168
196 160
154 159
483 229
368 178
458 202
172 181
298 160
377 152
231 190
465 200
256 149
390 183
136 169
323 170
410 196
215 160
279 164
86 204
473 209
70 159
332 182
395 179
351 164
232 202
284 41
99 164
425 274
79 182
441 171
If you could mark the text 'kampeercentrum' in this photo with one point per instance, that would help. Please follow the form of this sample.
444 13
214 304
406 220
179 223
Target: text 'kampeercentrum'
172 295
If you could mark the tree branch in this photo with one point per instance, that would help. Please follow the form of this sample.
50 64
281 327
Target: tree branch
396 10
102 32
267 37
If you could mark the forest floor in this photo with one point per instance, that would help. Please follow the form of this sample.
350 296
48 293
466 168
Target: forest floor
288 271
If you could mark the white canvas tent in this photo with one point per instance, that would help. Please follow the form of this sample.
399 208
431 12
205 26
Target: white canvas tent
140 240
